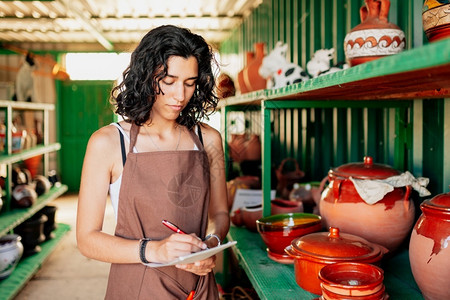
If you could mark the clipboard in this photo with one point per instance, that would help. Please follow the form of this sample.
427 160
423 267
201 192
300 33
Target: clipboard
193 257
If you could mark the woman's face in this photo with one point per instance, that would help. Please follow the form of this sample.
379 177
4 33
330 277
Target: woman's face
177 87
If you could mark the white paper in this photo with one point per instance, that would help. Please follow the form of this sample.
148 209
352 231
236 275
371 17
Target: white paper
246 198
191 258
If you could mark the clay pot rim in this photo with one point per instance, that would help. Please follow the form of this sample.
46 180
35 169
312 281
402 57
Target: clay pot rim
378 281
435 203
436 7
268 221
364 170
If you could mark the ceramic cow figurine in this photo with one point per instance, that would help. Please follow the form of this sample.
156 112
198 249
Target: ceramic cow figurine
278 71
320 63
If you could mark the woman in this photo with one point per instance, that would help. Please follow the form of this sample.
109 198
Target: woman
160 163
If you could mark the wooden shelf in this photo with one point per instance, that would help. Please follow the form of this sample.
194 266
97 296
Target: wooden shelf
422 72
29 265
24 154
273 280
14 217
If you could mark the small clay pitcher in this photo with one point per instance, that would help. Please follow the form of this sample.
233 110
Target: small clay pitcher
375 37
429 250
242 80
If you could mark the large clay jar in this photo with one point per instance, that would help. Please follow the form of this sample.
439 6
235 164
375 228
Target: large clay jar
11 250
375 37
253 148
253 80
429 249
387 222
242 75
436 19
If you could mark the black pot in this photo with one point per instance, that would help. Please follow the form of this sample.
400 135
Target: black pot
32 233
50 224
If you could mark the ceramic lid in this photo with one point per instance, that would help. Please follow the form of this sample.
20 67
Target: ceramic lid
334 246
365 170
440 202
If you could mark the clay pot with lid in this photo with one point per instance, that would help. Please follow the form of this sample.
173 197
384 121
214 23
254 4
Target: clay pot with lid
375 36
387 222
314 251
429 249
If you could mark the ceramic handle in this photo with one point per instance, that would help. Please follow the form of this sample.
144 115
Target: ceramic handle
384 11
406 199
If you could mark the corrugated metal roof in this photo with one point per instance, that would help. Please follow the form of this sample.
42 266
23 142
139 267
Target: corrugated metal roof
98 25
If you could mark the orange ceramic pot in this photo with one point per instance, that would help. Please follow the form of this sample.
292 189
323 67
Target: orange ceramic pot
436 19
387 222
374 37
429 249
283 206
254 81
314 251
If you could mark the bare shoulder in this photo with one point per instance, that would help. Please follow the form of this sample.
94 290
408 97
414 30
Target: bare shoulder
210 135
104 139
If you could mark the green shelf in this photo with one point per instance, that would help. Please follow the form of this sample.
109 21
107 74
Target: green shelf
14 217
28 266
273 280
422 72
24 154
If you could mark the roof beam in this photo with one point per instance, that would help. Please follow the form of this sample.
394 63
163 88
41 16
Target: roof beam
88 25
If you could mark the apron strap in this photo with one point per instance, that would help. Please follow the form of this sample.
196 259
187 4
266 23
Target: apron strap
198 140
134 131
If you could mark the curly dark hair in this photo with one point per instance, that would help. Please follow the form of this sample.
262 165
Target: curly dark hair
133 98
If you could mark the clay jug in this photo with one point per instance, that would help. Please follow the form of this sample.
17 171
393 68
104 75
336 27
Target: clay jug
387 222
253 148
237 147
375 37
436 19
429 252
253 80
242 80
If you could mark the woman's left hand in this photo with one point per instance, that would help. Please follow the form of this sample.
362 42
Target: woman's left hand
201 268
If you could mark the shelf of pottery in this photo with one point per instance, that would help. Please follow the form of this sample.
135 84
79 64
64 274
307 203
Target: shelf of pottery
28 232
396 79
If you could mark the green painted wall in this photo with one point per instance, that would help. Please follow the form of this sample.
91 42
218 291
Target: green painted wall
83 107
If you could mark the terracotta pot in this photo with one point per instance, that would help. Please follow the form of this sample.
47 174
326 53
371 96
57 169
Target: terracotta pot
250 215
254 81
387 222
278 231
314 251
252 147
237 147
436 19
241 182
283 206
429 252
33 164
11 250
351 280
287 177
242 75
375 37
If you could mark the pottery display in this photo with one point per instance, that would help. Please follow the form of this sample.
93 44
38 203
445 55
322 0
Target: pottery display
241 182
386 222
374 37
314 251
351 280
278 231
429 250
250 215
436 19
11 250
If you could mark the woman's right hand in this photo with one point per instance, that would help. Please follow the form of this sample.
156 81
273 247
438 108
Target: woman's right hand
172 247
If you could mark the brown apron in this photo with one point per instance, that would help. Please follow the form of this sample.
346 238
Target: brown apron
171 185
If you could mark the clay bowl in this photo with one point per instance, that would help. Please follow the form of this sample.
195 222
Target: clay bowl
282 206
351 279
278 231
250 215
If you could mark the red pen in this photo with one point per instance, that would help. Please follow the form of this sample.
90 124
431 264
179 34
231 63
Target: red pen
191 295
173 227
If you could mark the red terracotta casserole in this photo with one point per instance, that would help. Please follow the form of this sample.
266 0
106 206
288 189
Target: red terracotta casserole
315 250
